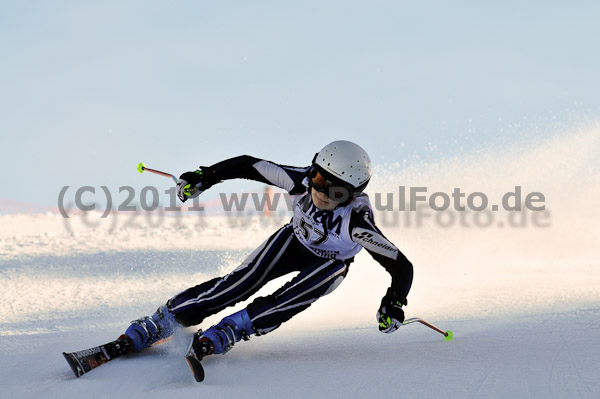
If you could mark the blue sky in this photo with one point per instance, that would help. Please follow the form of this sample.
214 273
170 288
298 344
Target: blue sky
89 89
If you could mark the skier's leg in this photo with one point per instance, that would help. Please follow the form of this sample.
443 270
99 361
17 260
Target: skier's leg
194 304
267 313
267 262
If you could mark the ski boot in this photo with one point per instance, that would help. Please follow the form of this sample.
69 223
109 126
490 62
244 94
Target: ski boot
150 329
218 339
141 334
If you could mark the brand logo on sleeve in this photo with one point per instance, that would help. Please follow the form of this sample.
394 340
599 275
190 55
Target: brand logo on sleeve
367 237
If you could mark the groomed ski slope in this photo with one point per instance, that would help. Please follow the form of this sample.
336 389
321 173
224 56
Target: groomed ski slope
550 355
522 300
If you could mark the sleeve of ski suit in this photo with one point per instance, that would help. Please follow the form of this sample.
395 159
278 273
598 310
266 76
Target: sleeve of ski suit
288 178
364 232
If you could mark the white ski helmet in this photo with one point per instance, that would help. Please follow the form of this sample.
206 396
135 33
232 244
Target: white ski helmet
346 161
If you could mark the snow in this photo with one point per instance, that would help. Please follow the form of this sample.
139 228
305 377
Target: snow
522 300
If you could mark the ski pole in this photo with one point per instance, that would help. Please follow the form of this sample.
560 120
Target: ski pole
142 167
448 335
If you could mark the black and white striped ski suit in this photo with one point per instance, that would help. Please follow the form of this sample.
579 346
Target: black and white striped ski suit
318 245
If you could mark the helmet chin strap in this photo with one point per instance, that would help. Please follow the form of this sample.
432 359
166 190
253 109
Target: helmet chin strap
306 203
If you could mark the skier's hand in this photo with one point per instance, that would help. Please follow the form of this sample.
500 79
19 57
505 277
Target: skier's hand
390 314
191 184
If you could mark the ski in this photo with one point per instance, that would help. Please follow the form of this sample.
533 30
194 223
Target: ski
191 357
88 359
195 366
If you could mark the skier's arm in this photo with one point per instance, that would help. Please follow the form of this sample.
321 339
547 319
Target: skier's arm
288 178
247 167
364 232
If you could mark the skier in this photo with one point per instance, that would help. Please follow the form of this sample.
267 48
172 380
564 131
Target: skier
332 221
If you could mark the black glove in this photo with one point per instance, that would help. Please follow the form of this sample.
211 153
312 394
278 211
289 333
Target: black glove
390 314
191 184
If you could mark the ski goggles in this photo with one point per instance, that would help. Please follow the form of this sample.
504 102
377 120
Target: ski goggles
333 188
